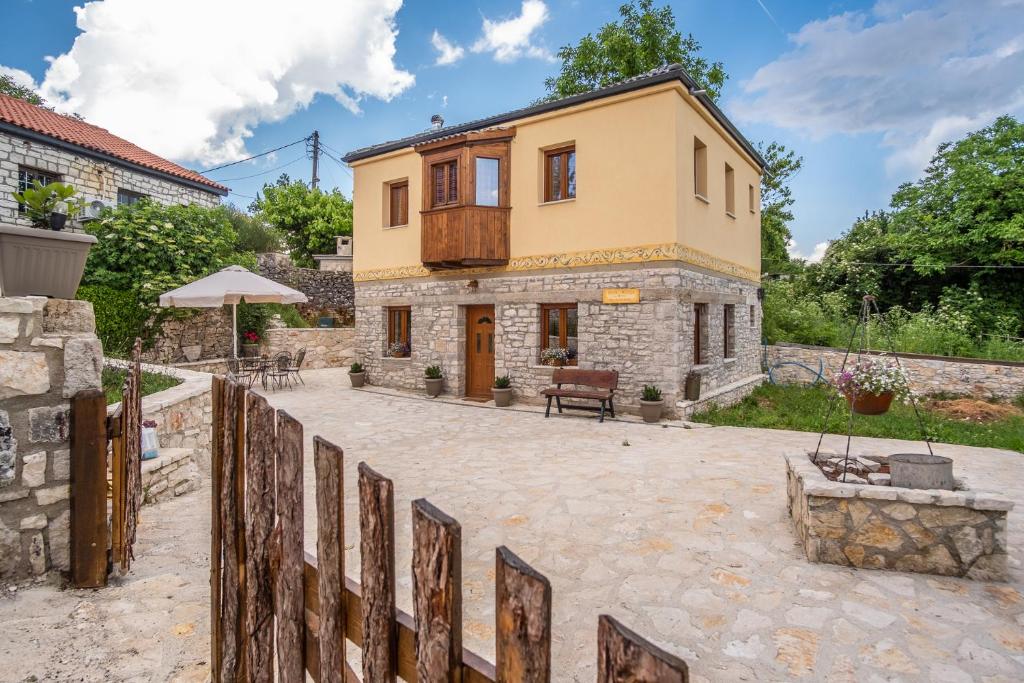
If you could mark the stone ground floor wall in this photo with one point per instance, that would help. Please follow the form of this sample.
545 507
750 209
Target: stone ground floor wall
650 342
328 347
48 353
952 533
928 374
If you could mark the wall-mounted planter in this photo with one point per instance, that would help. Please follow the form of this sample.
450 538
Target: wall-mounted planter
35 262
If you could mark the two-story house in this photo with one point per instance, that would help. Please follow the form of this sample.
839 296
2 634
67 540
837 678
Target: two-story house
39 144
621 225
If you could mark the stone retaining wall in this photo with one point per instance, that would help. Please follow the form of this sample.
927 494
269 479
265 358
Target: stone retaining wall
183 414
330 293
952 533
928 374
207 328
172 473
326 347
48 353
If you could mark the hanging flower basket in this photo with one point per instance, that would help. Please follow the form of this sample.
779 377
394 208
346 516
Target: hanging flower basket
870 404
870 386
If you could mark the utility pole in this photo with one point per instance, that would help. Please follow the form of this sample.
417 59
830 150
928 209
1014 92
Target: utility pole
316 157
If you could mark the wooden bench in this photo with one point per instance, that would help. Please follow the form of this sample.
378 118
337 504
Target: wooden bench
601 387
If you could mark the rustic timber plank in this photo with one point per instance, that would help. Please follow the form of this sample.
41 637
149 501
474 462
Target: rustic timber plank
625 657
230 621
131 436
377 551
216 523
523 621
89 489
291 637
328 461
239 439
259 523
437 594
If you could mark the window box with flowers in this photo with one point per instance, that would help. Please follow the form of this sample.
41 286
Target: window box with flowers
870 386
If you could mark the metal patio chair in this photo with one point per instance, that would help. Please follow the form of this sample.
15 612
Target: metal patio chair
296 366
277 372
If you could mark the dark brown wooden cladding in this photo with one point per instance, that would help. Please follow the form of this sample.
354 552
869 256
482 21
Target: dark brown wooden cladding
330 548
377 575
625 657
89 537
465 236
437 594
523 620
261 449
288 601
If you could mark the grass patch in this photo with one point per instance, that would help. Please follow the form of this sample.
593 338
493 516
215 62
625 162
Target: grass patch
803 409
152 382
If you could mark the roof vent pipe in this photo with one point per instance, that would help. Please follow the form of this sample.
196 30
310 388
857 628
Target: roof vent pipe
437 122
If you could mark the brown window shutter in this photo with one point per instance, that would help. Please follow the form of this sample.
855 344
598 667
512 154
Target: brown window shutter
453 182
439 194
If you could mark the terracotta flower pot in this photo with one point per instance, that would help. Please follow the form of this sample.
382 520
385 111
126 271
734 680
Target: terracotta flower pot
870 404
651 410
358 379
502 397
434 386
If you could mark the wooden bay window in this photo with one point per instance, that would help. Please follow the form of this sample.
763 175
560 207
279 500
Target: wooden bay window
560 329
560 174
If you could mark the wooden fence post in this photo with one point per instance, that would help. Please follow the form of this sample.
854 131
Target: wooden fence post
289 603
89 537
328 460
523 621
377 576
437 594
625 657
259 524
216 524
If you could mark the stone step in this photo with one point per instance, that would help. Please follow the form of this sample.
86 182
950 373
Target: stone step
172 473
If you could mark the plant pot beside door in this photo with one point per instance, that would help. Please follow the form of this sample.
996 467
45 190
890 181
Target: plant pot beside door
502 391
357 375
651 404
35 262
434 380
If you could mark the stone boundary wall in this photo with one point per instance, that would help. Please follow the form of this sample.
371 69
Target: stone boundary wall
48 353
952 533
172 473
210 366
326 347
207 328
183 414
928 374
330 292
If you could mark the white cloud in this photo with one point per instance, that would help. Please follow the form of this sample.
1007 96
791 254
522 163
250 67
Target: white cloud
22 78
447 51
916 74
818 253
511 38
191 79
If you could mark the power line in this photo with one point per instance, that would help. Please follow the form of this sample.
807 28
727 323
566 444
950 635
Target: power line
255 156
269 170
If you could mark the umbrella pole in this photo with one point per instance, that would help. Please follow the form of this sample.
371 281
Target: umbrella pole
234 327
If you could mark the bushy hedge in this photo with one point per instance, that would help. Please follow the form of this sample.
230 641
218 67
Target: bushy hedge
120 318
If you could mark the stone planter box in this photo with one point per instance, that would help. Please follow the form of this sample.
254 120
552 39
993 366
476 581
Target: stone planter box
929 531
36 262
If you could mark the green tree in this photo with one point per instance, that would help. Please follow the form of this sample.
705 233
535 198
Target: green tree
309 219
254 235
781 165
9 87
644 39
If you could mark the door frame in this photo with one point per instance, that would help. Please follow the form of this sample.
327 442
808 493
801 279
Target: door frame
473 311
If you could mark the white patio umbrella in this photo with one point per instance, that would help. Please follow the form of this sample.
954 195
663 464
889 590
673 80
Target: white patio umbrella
230 286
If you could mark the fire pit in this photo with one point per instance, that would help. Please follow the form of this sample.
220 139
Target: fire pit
947 529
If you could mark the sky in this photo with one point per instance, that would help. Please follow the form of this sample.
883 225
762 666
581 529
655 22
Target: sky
863 91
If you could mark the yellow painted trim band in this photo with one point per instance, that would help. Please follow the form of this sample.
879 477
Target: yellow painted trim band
670 251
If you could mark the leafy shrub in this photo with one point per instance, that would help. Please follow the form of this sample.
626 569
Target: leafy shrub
503 382
433 372
356 368
651 393
253 233
120 318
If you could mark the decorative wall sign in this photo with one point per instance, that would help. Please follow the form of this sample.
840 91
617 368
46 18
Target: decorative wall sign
620 296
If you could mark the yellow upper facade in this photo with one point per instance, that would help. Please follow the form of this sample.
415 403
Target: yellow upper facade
658 177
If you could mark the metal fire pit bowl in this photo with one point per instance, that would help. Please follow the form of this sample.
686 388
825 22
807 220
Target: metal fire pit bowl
920 471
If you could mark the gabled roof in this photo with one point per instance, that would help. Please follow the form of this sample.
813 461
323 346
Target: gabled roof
662 74
21 118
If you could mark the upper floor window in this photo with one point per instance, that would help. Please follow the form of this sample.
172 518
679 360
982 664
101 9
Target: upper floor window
560 325
128 196
560 174
444 179
398 203
752 198
487 181
25 177
700 169
730 191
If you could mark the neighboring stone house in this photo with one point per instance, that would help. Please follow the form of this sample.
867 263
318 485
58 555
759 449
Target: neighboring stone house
39 144
621 226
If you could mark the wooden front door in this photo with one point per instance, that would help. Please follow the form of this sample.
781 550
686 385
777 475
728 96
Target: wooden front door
479 350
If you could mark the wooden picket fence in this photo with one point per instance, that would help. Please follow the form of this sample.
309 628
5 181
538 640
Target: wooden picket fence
266 592
103 535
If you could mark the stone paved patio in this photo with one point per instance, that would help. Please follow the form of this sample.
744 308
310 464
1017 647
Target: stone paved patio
683 535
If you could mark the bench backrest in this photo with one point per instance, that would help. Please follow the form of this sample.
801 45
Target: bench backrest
602 379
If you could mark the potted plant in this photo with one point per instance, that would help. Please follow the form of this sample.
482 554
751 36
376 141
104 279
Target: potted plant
48 206
871 385
502 391
651 403
250 344
554 355
399 350
434 380
357 374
